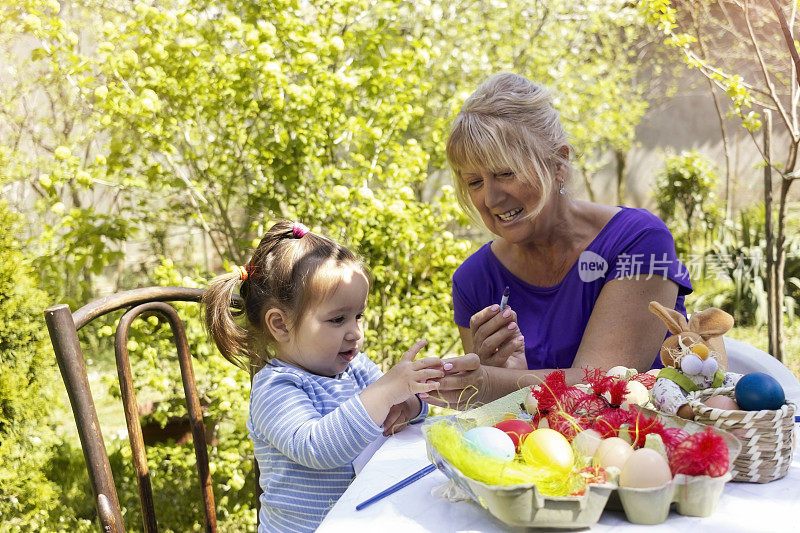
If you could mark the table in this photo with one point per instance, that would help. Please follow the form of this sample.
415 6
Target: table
744 507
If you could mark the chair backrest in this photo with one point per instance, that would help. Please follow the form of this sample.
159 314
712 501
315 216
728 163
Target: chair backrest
63 326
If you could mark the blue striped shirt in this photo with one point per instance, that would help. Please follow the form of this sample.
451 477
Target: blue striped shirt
306 431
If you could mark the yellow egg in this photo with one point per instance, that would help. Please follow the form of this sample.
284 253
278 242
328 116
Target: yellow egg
548 448
613 451
645 469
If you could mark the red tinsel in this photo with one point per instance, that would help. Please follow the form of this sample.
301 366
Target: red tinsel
568 425
701 454
672 437
609 420
648 380
641 426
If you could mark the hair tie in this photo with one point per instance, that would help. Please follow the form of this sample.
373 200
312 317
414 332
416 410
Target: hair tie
299 229
242 271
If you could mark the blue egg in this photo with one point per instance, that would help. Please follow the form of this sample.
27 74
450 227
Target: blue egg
758 391
491 442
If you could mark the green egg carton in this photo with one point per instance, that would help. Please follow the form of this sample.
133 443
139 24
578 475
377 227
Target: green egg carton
523 506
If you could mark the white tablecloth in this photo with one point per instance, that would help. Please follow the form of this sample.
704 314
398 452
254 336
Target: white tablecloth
744 507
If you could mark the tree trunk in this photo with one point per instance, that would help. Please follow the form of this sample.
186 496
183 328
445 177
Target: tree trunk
773 311
622 163
780 266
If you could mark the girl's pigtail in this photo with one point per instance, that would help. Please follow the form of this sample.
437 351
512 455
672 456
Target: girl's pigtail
231 339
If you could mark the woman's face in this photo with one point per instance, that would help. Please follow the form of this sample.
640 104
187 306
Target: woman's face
503 201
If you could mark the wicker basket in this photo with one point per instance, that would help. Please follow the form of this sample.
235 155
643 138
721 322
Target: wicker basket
766 436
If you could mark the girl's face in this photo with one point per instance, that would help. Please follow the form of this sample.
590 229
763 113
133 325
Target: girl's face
330 334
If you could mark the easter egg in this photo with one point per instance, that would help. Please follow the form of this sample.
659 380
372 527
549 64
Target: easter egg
531 403
613 451
516 429
645 469
637 393
491 442
547 448
586 442
617 371
758 391
726 403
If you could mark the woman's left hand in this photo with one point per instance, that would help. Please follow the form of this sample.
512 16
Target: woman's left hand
464 385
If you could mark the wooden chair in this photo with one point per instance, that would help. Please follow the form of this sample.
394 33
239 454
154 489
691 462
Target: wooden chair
63 326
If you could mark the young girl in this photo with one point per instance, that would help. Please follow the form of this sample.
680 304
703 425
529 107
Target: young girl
318 401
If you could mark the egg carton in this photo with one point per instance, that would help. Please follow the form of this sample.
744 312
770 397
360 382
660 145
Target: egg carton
523 505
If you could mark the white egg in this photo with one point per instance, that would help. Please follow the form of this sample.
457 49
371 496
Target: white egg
617 371
531 403
637 393
613 451
586 442
491 442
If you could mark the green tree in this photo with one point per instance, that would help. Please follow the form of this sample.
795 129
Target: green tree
734 45
686 198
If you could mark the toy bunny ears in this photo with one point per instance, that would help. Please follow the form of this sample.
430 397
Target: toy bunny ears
708 323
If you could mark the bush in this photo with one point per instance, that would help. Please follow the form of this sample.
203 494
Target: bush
26 389
686 198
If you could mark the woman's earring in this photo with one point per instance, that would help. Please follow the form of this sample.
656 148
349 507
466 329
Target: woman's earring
562 190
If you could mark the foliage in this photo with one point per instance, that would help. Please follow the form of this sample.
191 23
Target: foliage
26 385
737 262
686 198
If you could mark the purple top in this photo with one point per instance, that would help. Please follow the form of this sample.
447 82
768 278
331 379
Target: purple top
633 243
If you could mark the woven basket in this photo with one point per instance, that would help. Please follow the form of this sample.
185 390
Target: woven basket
766 435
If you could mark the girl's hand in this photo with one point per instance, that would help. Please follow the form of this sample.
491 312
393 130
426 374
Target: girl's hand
496 337
409 377
400 415
464 386
401 382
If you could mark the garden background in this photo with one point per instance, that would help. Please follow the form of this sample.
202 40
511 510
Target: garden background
153 142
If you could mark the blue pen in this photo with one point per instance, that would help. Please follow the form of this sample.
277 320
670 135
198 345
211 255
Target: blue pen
397 486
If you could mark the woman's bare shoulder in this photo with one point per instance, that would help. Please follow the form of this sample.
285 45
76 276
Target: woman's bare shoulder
595 216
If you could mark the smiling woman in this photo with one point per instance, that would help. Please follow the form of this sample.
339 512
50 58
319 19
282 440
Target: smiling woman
580 274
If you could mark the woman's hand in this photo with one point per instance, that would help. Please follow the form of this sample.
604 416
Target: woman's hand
495 337
464 385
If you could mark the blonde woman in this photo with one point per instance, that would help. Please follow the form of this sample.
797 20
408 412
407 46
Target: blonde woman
579 274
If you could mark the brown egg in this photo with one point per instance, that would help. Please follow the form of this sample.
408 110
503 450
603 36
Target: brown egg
726 403
645 469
